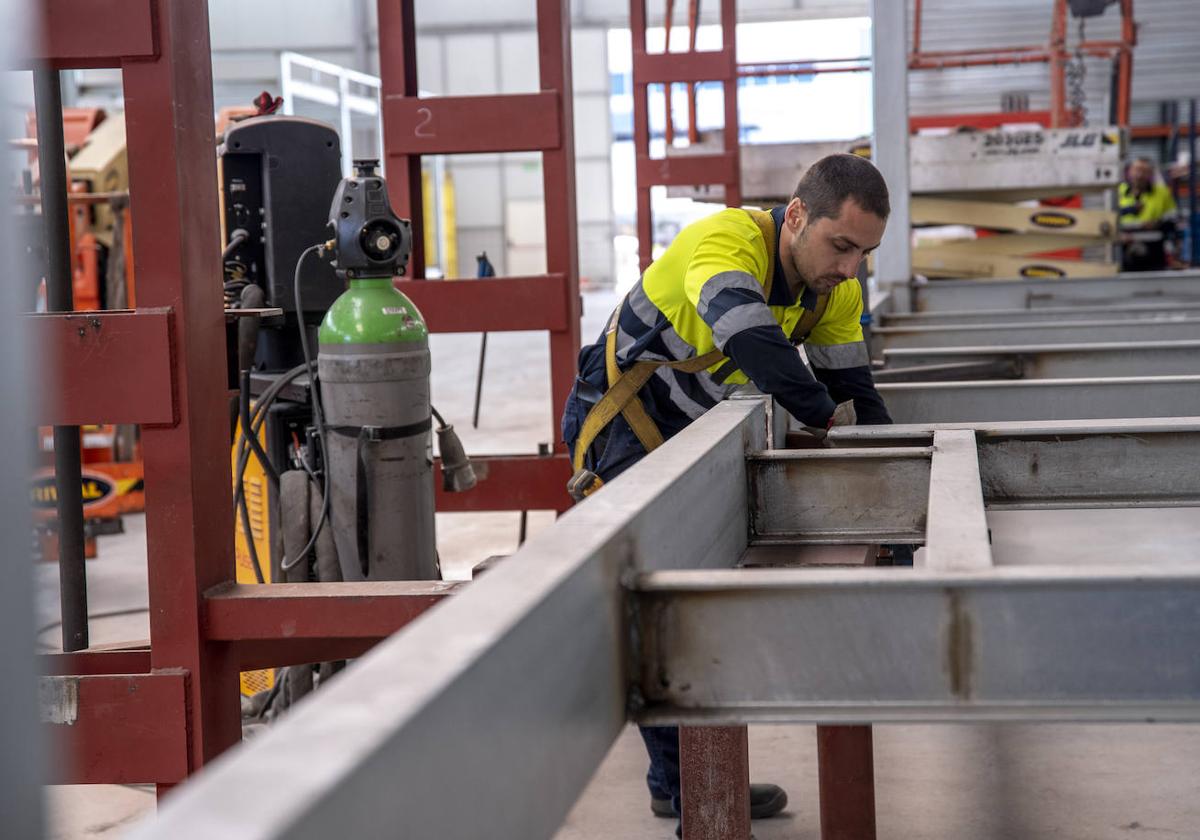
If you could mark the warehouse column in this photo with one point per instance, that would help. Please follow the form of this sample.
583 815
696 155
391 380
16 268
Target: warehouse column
889 143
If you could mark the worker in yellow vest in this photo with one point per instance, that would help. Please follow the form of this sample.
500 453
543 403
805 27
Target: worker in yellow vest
1147 211
727 304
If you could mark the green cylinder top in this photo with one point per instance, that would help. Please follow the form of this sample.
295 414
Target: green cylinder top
372 311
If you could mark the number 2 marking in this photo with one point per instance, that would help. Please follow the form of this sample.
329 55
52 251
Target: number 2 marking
422 128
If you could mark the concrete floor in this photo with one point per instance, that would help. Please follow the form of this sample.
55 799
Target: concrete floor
1010 782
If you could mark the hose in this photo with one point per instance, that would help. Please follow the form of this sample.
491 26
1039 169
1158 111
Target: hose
318 414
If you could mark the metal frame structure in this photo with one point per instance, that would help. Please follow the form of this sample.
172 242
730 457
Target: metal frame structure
527 122
607 616
156 713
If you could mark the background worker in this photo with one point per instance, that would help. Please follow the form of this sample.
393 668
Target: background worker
1147 211
725 305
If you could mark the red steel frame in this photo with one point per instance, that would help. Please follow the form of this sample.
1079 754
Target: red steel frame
158 712
527 122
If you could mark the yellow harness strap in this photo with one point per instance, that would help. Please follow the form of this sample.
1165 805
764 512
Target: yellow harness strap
623 388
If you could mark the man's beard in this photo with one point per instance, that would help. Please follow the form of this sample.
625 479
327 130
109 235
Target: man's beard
822 284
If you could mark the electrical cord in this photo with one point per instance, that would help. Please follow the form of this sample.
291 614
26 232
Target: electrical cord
318 414
252 440
237 238
261 406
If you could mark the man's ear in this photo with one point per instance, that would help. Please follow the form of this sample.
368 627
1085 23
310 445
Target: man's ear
796 215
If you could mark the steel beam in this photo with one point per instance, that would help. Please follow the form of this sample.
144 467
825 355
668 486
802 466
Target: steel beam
956 536
117 728
1028 293
1042 399
81 350
510 482
881 645
516 684
1095 312
1042 361
881 490
294 623
999 335
829 496
89 33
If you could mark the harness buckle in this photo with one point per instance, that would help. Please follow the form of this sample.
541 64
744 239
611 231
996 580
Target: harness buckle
583 484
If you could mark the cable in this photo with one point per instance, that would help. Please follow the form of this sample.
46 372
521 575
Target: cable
318 414
252 439
437 416
237 238
261 407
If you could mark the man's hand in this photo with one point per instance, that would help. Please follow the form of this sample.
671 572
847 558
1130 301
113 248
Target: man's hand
844 415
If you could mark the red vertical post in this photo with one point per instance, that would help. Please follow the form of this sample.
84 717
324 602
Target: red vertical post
714 769
693 25
641 134
846 770
669 121
1058 69
189 515
558 190
1125 62
733 189
398 74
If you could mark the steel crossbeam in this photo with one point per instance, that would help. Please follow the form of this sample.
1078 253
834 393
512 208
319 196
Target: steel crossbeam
520 682
1001 334
1042 361
1042 399
1038 293
1155 311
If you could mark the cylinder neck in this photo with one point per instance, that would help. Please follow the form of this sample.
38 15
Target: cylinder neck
370 282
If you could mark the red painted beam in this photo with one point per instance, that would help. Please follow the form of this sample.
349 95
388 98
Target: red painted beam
497 304
512 482
978 121
846 773
105 367
116 729
661 68
290 623
95 662
687 170
714 776
240 611
444 125
90 33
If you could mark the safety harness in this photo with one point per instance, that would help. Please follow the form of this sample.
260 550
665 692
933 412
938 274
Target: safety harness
623 388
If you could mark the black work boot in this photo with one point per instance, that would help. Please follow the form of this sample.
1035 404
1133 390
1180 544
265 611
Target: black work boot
765 801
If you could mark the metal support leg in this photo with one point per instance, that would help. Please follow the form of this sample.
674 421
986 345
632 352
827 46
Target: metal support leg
846 767
67 457
714 769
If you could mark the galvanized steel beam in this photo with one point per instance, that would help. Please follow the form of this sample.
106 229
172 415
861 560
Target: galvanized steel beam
914 645
999 335
1096 312
1041 361
1030 293
956 535
1042 399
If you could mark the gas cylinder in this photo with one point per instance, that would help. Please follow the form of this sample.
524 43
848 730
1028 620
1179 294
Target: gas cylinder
373 364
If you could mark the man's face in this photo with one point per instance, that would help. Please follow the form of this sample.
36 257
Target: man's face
1140 174
826 252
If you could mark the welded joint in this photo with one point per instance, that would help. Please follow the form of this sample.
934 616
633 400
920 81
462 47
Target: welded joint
960 646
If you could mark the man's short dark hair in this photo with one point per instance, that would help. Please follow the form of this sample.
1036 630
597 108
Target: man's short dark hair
833 179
